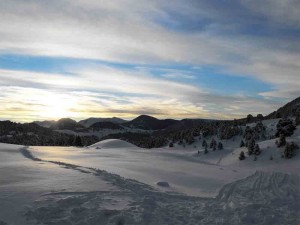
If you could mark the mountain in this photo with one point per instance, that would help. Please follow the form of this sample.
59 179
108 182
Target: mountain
146 122
288 110
90 121
106 125
46 123
66 124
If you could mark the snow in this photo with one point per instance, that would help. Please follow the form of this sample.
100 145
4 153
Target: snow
112 143
23 181
114 182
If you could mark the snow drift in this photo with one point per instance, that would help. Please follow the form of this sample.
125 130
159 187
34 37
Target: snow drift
112 143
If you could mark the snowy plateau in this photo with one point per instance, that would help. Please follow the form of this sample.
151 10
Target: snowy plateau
114 182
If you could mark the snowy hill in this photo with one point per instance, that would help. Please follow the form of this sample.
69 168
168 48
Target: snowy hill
112 143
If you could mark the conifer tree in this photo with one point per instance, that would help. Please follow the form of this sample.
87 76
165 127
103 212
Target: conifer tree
220 146
205 151
282 141
78 142
257 150
204 143
242 156
242 144
251 146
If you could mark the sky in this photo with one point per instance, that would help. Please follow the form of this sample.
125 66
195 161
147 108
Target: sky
177 59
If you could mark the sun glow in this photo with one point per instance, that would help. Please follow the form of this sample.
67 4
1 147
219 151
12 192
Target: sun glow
59 106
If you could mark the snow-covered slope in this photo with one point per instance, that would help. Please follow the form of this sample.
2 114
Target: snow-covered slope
41 191
23 181
112 143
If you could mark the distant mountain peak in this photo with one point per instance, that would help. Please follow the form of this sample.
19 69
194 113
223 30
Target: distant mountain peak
92 120
147 122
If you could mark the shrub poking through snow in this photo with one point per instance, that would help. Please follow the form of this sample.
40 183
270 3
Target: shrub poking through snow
171 145
242 156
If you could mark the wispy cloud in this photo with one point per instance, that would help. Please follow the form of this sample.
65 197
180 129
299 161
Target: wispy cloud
102 91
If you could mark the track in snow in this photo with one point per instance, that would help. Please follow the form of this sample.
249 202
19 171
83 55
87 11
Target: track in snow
263 198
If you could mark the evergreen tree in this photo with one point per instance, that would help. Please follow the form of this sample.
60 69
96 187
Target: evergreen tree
290 150
205 151
204 143
213 144
260 117
190 139
220 146
251 146
242 144
297 120
78 142
257 150
242 156
282 141
249 118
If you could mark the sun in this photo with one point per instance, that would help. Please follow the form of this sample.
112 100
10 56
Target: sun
58 106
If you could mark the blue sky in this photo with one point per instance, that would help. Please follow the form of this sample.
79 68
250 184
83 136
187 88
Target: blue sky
189 59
